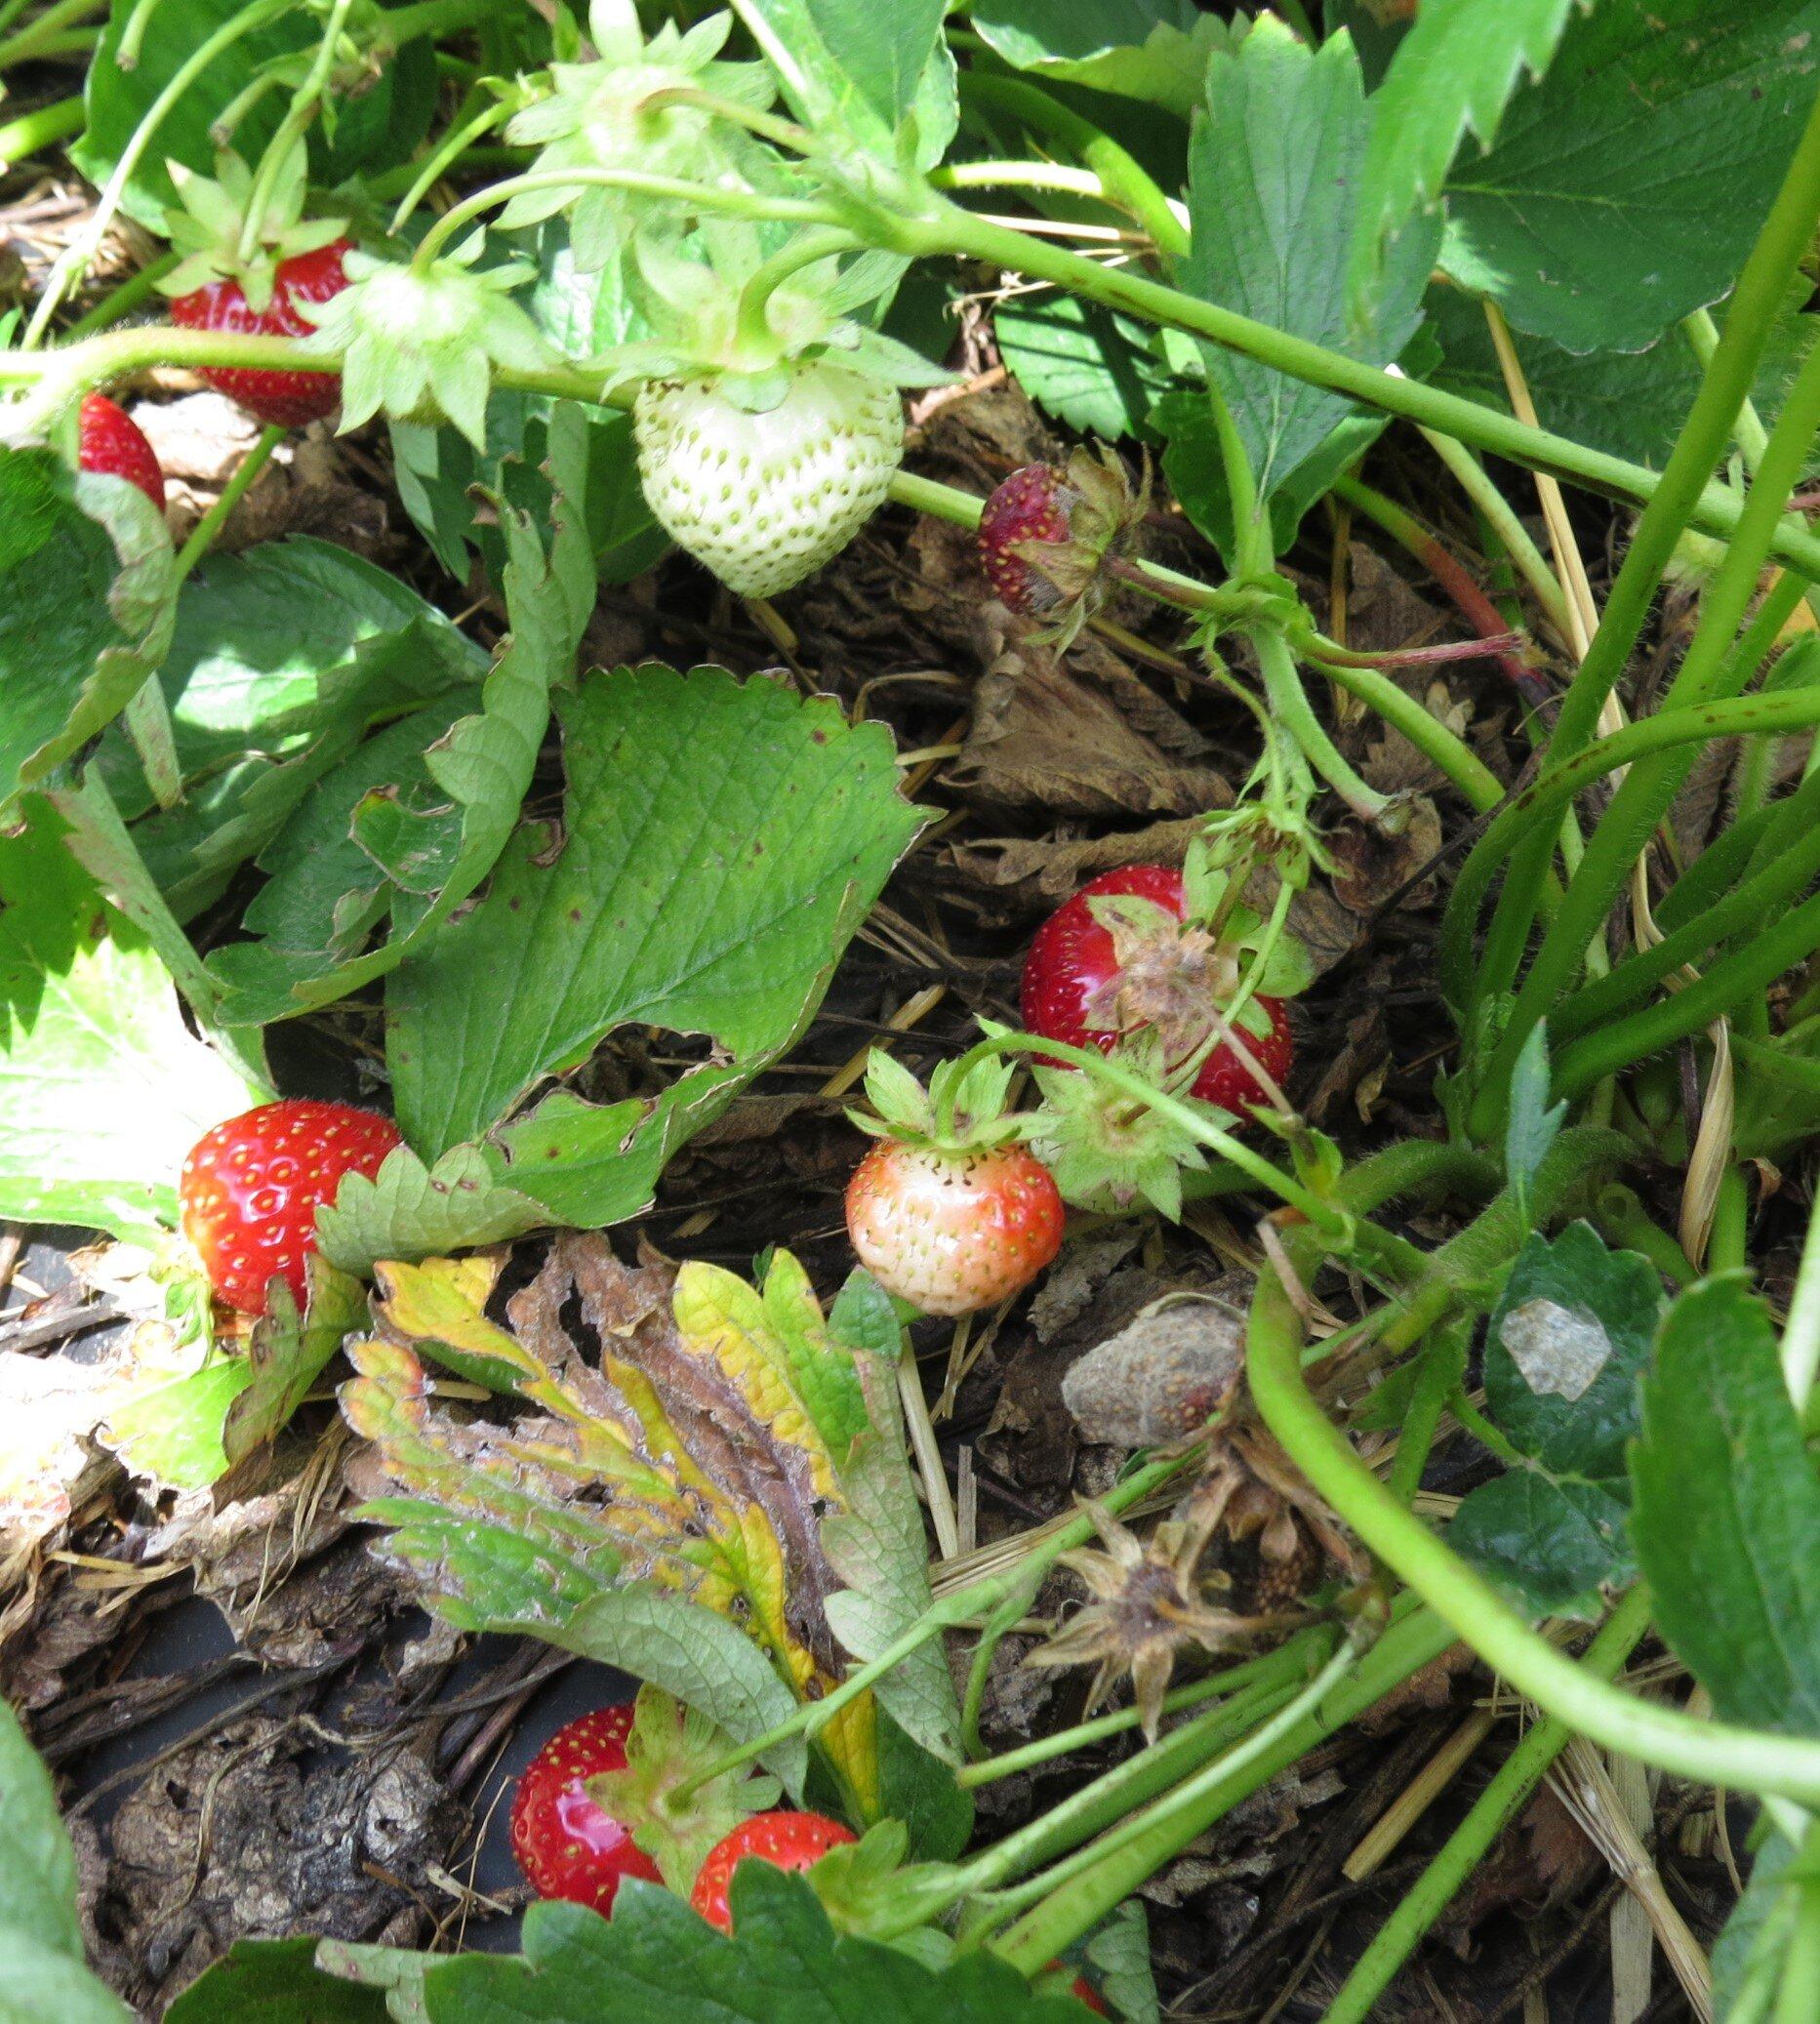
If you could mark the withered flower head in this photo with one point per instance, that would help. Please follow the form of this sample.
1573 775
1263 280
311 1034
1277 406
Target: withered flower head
1147 1604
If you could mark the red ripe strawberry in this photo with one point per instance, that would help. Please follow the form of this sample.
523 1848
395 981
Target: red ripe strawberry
952 1232
1083 1991
1085 983
289 398
785 1841
111 442
1028 507
251 1187
568 1844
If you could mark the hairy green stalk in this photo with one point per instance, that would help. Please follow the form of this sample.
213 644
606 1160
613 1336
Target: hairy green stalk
1683 497
1490 1813
1644 796
1712 1751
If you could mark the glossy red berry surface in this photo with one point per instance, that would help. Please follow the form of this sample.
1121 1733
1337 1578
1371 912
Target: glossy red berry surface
954 1232
288 398
109 441
567 1845
785 1841
1074 965
251 1187
1028 506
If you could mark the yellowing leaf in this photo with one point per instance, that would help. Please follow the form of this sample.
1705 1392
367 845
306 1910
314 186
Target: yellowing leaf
680 1429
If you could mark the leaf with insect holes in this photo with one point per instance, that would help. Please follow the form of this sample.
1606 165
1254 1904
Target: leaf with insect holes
1727 1511
685 1438
88 586
721 843
431 854
1624 188
102 1088
1273 193
42 1971
1565 1350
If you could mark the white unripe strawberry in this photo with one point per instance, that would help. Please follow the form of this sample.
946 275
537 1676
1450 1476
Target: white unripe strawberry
764 499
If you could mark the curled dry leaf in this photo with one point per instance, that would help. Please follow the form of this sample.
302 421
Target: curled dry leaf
683 1434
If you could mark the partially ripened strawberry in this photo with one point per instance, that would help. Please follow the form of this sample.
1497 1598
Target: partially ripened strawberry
954 1232
251 1188
287 398
111 442
1027 506
947 1211
1089 978
786 1841
1047 531
566 1842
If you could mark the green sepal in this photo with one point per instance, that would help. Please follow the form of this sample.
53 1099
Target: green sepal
420 344
669 1745
206 226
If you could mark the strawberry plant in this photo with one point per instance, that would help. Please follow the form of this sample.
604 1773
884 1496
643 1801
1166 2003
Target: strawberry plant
580 583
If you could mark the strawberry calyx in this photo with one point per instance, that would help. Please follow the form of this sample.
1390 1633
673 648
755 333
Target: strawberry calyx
962 1110
1111 1152
619 110
668 1749
421 341
209 225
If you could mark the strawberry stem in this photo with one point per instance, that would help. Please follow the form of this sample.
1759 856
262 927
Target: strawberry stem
756 343
290 133
203 534
1713 1752
1337 1224
75 256
731 203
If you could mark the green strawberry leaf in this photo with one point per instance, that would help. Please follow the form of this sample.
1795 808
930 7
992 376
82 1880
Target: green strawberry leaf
1453 73
1274 164
848 67
1096 371
1551 1545
482 767
42 1971
102 1088
1726 1513
1565 1348
1679 118
721 843
658 1962
277 1982
1629 403
412 1210
1153 50
87 587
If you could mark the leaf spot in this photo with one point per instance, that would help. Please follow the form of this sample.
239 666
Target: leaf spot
1559 1350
